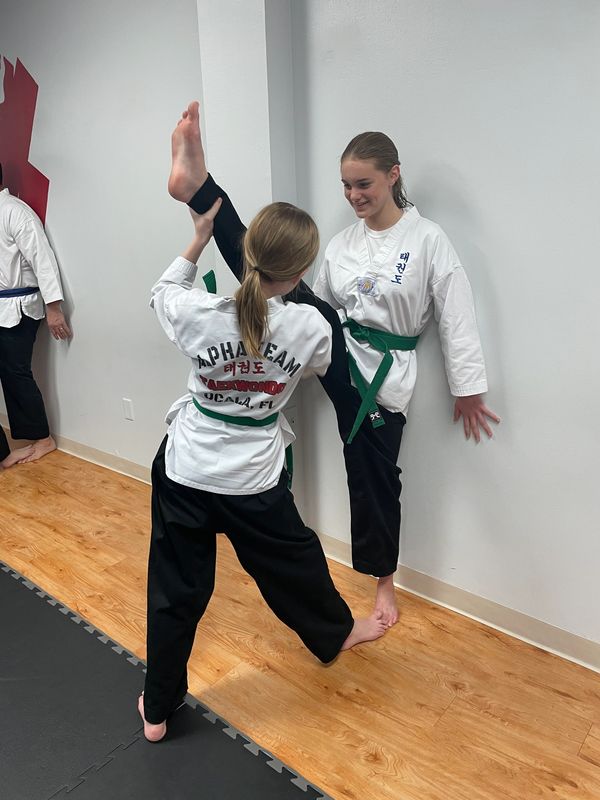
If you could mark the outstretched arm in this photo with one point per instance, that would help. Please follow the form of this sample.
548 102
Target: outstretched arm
203 230
170 296
459 336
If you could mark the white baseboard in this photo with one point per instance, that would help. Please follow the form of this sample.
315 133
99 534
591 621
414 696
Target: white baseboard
115 463
514 623
541 634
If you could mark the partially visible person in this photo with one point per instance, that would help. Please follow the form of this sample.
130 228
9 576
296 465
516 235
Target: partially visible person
30 289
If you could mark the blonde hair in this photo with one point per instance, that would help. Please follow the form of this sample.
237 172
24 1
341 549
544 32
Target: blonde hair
280 244
379 148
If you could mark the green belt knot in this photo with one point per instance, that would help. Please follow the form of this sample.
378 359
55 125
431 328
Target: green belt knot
383 342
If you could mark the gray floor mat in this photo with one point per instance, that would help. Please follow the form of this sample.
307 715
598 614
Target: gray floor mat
69 727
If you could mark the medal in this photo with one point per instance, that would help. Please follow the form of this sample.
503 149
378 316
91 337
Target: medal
367 286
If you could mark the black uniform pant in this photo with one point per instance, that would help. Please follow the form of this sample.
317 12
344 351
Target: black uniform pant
24 403
273 545
371 460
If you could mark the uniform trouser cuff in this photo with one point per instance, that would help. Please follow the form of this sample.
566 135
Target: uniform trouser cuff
155 714
326 656
376 570
4 446
31 434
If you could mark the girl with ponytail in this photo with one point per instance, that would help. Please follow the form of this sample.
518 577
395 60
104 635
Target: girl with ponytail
221 465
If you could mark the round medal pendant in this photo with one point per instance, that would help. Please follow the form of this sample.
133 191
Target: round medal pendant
367 285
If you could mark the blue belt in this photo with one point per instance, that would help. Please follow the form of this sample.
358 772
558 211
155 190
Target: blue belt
21 292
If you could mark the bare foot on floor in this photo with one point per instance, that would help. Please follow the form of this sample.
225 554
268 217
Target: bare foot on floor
365 630
188 168
153 733
40 448
385 601
16 456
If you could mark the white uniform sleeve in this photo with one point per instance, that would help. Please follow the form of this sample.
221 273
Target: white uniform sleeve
166 294
34 246
321 356
321 286
455 314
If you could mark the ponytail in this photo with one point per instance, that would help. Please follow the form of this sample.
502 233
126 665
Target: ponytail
252 311
280 244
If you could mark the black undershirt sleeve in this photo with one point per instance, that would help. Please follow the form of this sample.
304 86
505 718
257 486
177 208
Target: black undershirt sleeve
229 229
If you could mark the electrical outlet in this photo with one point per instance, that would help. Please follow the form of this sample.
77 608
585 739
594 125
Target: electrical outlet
128 408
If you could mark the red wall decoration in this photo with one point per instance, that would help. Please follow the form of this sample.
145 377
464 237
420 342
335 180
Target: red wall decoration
16 124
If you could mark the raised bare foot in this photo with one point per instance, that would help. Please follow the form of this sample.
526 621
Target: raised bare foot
385 601
365 630
40 448
153 733
188 168
16 456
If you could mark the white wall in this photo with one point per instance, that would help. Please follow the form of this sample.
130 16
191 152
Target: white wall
113 79
493 106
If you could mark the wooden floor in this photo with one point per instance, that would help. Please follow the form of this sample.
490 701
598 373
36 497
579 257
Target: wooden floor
441 708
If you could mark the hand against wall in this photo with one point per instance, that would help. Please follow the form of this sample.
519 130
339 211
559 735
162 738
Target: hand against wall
56 321
474 413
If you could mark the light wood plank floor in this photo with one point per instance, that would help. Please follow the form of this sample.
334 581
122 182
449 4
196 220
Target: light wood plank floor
441 708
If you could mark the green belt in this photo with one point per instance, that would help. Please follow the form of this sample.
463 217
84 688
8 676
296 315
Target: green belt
250 422
210 282
383 342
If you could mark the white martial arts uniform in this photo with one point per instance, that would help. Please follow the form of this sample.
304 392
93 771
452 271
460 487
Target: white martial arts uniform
216 456
394 283
26 259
